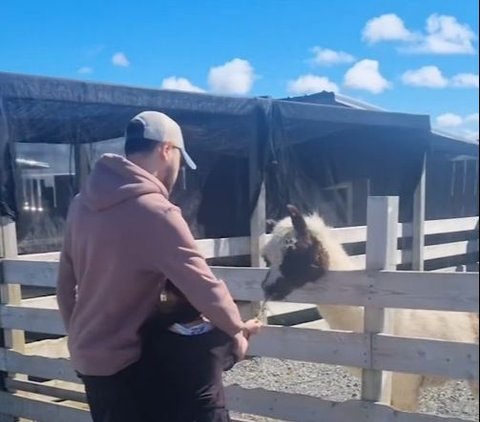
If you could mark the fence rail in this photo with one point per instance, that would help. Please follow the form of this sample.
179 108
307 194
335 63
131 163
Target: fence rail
457 292
278 405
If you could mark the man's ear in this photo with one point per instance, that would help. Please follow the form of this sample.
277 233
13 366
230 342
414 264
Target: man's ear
164 149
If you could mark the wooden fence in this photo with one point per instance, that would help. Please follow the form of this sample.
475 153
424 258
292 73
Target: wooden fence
40 384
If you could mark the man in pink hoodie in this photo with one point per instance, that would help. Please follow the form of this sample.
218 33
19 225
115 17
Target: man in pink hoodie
123 240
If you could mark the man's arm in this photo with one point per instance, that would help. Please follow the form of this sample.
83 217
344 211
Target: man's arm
173 252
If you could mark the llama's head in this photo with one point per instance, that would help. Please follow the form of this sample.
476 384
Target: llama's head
295 254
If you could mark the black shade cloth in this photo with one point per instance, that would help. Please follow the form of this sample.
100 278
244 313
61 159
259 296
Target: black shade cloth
315 153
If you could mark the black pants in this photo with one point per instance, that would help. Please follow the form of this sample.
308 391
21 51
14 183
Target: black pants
187 374
119 397
178 379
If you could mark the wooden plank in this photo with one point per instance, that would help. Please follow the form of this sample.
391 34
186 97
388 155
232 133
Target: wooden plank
277 405
382 233
389 289
41 409
59 389
210 248
457 292
9 293
44 302
303 408
451 225
334 347
54 348
8 247
388 353
382 218
430 357
457 268
30 273
223 247
310 345
418 224
46 256
45 321
401 257
82 164
345 235
356 234
257 229
43 273
39 273
281 406
234 246
38 366
450 249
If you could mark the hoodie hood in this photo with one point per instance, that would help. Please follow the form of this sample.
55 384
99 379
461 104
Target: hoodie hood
114 179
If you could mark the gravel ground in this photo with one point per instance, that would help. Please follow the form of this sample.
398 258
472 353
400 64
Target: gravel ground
335 383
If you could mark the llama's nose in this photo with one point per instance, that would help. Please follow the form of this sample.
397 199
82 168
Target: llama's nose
277 290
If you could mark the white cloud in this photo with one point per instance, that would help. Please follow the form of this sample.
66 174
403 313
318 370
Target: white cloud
427 76
310 84
472 118
234 77
449 120
366 75
180 84
432 77
85 70
445 35
466 126
387 27
465 80
327 57
471 134
120 59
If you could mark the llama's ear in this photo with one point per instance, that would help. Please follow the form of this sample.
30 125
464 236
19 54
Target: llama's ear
299 223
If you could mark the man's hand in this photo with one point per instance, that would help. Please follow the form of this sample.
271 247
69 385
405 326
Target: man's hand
252 326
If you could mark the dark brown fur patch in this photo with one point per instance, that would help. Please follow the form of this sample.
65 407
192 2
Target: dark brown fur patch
303 262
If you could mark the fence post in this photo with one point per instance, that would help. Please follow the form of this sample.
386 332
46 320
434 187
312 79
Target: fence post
382 234
418 226
81 164
9 294
257 227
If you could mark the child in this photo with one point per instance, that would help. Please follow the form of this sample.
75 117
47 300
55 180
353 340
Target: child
187 355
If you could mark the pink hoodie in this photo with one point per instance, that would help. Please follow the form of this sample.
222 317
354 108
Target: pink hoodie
123 239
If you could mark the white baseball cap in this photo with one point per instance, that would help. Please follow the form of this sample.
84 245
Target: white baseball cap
161 128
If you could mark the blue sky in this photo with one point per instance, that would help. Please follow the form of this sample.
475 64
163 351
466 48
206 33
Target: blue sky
418 56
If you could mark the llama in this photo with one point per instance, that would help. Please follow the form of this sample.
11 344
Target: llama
302 249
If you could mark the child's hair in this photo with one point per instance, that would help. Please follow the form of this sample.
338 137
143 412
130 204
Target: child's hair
179 310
